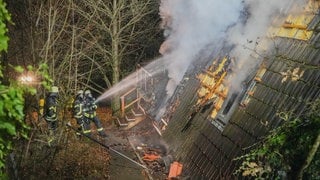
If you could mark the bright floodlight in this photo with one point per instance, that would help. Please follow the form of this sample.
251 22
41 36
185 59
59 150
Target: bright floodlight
26 79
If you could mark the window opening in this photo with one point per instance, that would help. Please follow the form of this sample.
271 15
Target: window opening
230 103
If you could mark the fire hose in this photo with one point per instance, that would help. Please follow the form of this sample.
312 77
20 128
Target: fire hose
106 146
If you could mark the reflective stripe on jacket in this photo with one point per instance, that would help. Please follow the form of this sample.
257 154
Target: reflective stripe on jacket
52 114
78 110
90 110
51 108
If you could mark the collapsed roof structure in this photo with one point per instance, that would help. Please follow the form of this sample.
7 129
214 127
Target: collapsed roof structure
207 141
207 124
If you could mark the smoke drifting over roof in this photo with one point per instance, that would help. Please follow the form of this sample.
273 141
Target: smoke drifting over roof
190 26
194 25
249 34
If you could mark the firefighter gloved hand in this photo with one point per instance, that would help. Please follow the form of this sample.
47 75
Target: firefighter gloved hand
92 105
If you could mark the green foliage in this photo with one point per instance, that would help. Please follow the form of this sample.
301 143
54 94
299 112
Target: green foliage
12 97
43 72
12 125
285 149
4 17
8 110
19 69
11 118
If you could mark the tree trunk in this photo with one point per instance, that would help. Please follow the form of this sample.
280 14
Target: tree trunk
115 55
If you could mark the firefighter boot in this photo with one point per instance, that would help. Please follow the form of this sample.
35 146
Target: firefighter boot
102 133
78 134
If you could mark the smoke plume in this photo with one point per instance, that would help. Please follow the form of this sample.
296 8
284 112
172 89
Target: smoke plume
190 26
249 34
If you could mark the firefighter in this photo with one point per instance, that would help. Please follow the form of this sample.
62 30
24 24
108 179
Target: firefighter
50 109
90 114
78 105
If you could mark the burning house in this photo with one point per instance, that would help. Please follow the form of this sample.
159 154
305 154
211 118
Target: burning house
211 125
207 122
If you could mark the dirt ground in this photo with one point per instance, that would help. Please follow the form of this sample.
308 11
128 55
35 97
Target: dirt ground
70 156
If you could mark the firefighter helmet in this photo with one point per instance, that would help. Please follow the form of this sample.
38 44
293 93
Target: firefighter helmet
79 92
87 92
54 89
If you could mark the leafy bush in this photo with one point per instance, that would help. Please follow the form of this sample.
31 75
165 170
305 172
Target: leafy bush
289 151
12 125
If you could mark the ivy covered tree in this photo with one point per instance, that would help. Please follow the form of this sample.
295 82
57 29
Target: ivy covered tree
11 99
12 94
288 152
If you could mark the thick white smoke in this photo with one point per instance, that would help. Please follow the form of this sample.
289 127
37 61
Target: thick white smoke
190 26
249 34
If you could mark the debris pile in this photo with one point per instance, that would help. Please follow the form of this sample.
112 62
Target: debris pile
159 164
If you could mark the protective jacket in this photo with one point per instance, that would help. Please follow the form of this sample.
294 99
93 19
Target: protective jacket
89 112
90 108
50 112
78 108
51 103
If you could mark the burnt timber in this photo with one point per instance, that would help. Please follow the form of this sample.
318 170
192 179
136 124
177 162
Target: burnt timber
290 80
